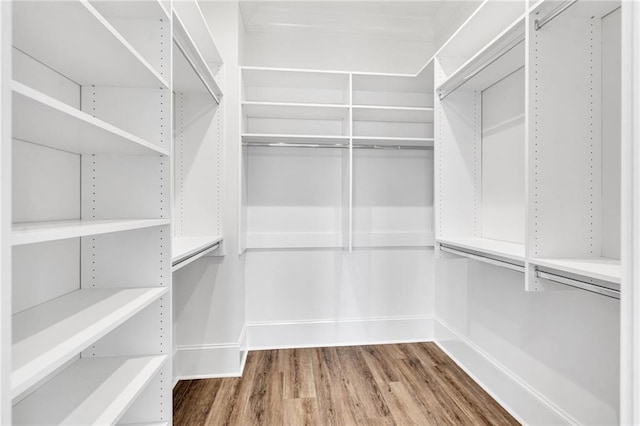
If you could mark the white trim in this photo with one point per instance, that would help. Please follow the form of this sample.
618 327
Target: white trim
522 401
210 361
342 332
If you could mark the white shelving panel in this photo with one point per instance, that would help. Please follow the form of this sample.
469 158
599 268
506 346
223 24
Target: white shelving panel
400 141
189 56
90 391
295 139
77 41
50 334
63 127
188 249
604 269
398 114
38 232
497 248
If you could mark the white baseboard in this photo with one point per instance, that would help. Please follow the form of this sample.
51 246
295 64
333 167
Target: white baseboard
370 331
518 398
210 361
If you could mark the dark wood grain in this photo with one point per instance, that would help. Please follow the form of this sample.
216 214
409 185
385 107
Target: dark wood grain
412 384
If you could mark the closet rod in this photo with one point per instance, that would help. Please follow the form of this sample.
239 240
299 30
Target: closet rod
480 258
582 285
515 42
195 69
539 23
355 146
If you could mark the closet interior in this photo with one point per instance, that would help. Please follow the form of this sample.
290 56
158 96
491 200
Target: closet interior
160 176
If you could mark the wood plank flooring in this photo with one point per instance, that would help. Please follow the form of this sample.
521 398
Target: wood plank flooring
410 384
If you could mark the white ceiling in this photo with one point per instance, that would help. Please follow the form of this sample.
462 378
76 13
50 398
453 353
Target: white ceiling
407 20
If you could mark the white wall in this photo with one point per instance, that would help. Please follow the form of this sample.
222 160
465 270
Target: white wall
330 297
562 345
281 50
209 293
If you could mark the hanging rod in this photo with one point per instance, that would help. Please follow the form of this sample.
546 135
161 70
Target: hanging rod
480 258
195 69
334 146
593 288
515 42
539 23
194 256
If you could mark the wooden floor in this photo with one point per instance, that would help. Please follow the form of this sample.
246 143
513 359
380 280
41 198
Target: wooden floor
412 384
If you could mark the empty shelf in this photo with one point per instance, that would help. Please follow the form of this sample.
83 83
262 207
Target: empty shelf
295 111
72 38
381 140
41 119
496 248
48 335
39 232
187 249
90 391
602 268
191 71
296 139
393 114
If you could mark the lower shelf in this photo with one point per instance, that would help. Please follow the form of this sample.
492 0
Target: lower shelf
496 248
601 268
90 391
284 240
187 249
48 335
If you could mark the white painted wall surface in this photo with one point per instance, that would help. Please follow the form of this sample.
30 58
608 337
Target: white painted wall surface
307 287
209 293
563 345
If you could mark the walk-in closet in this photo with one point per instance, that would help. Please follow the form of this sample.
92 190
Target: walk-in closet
313 213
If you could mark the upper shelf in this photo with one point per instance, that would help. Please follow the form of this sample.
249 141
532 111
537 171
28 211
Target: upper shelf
41 119
40 232
294 86
190 16
501 57
187 249
92 391
601 268
74 39
481 27
503 250
295 111
393 114
192 72
131 9
48 335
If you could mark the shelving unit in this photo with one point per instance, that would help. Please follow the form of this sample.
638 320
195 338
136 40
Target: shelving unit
198 138
574 177
90 212
480 134
369 159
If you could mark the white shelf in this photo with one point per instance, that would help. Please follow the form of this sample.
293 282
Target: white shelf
393 114
301 139
41 119
39 232
72 38
295 111
133 9
380 140
187 249
501 57
496 248
191 70
602 268
90 391
48 335
190 16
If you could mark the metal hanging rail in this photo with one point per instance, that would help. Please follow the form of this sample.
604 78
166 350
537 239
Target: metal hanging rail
334 146
194 256
582 285
485 259
499 54
539 23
